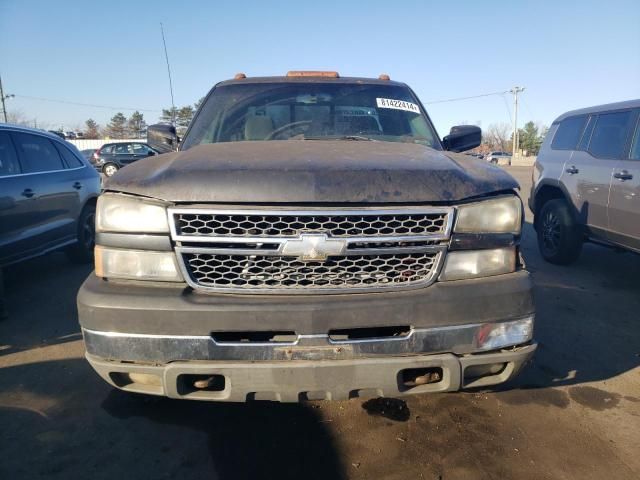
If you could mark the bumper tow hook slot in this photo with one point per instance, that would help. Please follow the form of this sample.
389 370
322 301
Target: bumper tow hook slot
204 383
419 376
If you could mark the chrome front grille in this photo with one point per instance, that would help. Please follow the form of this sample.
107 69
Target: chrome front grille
290 273
334 225
310 251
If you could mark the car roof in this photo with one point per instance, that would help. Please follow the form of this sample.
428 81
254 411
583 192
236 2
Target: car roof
599 108
318 79
20 128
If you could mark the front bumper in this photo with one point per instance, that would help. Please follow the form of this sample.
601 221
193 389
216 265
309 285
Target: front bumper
172 309
300 380
166 332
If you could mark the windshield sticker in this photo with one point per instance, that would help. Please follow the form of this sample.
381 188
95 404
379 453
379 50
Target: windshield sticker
397 105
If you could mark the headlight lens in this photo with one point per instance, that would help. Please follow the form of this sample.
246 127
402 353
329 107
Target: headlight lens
124 214
478 263
504 334
498 215
137 265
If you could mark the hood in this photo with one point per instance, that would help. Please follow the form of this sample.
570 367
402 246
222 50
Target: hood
311 171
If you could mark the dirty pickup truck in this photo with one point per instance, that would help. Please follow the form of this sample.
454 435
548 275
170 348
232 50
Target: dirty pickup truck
310 237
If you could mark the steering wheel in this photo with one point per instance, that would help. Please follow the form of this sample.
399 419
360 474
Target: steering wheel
284 128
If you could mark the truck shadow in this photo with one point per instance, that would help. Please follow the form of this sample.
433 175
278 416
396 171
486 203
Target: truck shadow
74 425
252 440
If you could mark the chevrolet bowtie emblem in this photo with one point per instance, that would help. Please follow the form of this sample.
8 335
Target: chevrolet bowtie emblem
313 246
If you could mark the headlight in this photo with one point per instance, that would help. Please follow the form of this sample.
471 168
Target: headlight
499 215
493 336
478 263
125 214
136 265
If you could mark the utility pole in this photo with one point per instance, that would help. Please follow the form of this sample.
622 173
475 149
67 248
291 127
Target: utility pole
515 91
4 108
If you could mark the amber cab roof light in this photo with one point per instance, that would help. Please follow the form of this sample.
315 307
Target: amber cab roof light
384 76
239 76
312 73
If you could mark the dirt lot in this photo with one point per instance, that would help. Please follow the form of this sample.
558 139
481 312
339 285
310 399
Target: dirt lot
574 413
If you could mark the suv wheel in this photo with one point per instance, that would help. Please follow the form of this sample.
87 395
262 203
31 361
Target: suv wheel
109 169
559 237
82 252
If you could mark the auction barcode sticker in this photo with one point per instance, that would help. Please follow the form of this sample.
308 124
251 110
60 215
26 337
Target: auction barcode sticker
397 105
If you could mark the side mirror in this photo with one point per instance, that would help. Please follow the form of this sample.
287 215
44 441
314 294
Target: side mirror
462 138
162 138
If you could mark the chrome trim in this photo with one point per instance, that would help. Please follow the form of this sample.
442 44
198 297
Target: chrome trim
458 339
281 240
267 252
47 172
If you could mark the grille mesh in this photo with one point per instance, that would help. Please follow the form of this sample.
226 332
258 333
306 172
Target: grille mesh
380 225
290 273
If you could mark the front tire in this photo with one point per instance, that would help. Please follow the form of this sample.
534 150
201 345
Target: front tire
559 236
82 252
110 169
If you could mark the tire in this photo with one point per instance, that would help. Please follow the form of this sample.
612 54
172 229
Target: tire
559 236
109 169
82 252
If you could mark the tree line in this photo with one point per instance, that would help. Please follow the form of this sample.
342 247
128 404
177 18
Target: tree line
499 136
136 126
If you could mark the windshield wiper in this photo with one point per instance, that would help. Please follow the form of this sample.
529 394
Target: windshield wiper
342 137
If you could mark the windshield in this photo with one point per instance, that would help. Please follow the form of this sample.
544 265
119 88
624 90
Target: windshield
311 111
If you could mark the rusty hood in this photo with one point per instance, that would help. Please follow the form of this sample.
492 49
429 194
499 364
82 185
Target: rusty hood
311 171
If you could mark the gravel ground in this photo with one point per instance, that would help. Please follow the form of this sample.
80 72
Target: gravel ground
573 413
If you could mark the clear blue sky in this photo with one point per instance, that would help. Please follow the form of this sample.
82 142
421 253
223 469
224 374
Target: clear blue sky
567 54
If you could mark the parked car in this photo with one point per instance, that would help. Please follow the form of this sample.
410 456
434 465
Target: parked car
58 134
88 154
111 157
312 238
48 195
70 136
498 158
587 181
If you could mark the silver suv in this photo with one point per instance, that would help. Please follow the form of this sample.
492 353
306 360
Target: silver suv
586 181
498 158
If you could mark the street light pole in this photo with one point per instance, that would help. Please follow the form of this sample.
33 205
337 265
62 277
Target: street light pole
515 91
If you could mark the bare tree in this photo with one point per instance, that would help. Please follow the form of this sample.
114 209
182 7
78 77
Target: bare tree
498 137
17 117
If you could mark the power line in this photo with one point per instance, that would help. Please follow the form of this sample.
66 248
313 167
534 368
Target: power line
166 56
506 105
526 105
457 99
109 107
